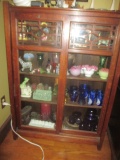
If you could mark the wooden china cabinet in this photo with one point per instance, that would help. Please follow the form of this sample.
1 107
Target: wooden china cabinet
42 46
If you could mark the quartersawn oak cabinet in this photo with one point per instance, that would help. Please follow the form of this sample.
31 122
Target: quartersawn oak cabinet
42 45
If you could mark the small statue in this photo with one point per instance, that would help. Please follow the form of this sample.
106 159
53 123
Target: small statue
25 64
26 90
73 4
59 3
48 66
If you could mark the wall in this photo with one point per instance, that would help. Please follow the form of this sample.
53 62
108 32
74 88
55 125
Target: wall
100 4
4 113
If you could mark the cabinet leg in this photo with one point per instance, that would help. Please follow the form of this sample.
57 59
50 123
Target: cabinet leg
15 137
99 146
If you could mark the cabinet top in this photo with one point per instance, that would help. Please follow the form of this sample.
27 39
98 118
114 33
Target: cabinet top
65 11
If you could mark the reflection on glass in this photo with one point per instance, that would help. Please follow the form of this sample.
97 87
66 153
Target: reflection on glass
40 33
91 36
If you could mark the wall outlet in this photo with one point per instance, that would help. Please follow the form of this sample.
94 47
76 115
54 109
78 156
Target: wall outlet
2 101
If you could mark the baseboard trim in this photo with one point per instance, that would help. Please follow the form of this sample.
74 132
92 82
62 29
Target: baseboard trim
4 129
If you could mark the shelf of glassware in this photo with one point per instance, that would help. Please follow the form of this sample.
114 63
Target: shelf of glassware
39 74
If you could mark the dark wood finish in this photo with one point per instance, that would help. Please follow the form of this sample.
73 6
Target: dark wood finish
92 20
112 97
114 127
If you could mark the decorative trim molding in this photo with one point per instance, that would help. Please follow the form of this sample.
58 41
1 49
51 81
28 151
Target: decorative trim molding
4 129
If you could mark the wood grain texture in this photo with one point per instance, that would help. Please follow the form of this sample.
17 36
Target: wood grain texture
54 150
97 21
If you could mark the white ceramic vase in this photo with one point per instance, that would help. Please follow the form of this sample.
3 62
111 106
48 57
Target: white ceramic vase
92 4
112 5
22 2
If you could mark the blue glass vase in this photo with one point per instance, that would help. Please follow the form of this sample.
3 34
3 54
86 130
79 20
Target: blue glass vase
73 93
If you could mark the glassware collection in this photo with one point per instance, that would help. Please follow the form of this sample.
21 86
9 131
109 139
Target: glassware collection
45 91
39 74
87 122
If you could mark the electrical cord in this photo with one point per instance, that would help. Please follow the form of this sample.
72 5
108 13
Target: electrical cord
28 140
37 145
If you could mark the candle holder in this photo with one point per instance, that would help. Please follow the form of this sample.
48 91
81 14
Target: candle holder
45 111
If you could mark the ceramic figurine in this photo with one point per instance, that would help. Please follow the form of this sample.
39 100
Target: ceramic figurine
65 5
48 66
73 3
59 3
26 90
25 65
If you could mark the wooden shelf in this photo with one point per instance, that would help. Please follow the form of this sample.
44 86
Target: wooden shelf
95 78
75 104
40 75
54 100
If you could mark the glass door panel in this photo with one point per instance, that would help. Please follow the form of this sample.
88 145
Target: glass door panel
92 36
85 91
39 80
42 33
81 119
